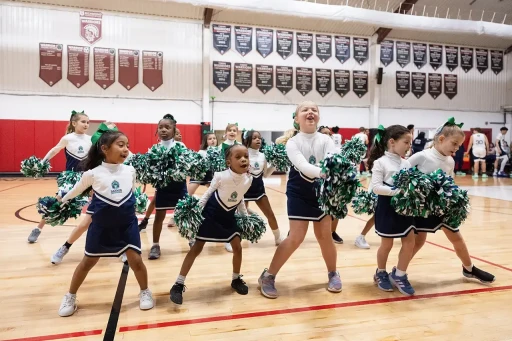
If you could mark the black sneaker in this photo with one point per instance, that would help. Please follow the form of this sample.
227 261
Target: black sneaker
337 239
177 291
481 275
143 224
239 285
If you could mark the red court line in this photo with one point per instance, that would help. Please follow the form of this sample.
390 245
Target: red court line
13 187
477 258
306 309
60 336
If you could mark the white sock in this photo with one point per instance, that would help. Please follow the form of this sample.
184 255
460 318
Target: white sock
181 279
235 276
38 228
156 244
400 273
381 270
503 163
276 233
266 274
361 236
72 295
469 268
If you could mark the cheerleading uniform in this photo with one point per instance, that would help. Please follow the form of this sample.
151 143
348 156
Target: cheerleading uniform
209 174
388 223
76 147
258 169
219 202
167 197
114 227
428 161
479 148
305 151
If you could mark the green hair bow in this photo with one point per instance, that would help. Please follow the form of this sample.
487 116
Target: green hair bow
73 113
380 133
451 122
102 129
236 123
208 132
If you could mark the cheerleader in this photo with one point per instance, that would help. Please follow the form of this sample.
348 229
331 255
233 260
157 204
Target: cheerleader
304 150
209 140
259 169
76 144
177 136
386 159
114 223
447 140
231 133
224 196
167 197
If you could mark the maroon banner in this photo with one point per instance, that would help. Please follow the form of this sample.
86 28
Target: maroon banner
90 26
128 68
50 63
152 69
104 66
78 65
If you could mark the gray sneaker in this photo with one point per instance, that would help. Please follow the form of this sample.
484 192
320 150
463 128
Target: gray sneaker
59 255
268 285
34 235
154 253
334 282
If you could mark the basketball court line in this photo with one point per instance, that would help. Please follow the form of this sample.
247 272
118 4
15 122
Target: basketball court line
6 189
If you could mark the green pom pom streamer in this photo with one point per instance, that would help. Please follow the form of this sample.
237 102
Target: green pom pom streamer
415 187
353 150
364 202
277 157
68 178
34 167
142 169
251 226
339 187
458 208
188 216
160 164
188 163
439 198
141 200
55 213
215 159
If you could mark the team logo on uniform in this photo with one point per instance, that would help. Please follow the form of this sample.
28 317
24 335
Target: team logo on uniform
312 159
233 197
80 150
115 187
256 165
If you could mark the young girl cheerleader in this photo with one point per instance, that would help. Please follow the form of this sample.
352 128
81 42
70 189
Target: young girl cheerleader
224 196
209 140
304 150
167 197
447 140
260 169
114 223
386 159
76 145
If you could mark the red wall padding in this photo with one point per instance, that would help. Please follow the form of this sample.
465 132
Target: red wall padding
20 139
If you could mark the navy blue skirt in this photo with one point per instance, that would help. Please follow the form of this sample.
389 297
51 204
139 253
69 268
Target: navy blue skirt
257 189
219 224
388 223
167 197
206 180
432 224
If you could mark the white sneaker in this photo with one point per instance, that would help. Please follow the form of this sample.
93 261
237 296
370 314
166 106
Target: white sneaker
228 247
171 222
123 258
58 256
68 305
361 242
146 300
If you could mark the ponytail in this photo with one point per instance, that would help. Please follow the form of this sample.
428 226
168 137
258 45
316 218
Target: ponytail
75 116
96 156
377 151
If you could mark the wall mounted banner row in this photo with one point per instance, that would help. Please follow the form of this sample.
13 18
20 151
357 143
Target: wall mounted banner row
305 42
416 82
468 56
282 77
104 61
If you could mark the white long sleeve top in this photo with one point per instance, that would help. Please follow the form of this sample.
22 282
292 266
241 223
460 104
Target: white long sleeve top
430 160
259 164
305 151
382 173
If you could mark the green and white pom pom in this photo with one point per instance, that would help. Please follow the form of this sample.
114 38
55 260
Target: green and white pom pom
458 208
439 198
353 150
364 202
188 216
251 226
188 163
55 213
34 167
277 157
215 159
141 200
68 178
160 164
415 187
339 187
142 169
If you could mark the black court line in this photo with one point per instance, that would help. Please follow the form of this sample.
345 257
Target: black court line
110 331
18 215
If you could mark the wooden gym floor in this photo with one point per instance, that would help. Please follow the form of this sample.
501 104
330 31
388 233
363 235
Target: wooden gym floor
446 306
